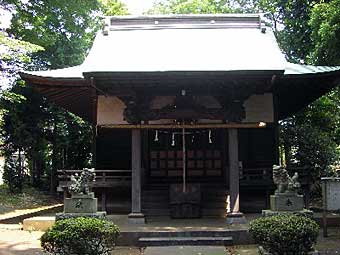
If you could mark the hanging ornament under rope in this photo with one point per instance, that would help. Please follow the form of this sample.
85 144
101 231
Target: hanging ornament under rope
210 140
156 136
173 139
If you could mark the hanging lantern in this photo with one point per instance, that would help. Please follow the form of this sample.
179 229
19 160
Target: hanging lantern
173 139
192 138
156 136
210 140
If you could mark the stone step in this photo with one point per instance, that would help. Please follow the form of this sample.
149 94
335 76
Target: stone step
189 233
188 241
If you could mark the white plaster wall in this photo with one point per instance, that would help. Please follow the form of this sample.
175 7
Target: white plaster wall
110 111
259 108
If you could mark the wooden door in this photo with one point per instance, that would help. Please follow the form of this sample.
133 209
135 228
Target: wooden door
204 155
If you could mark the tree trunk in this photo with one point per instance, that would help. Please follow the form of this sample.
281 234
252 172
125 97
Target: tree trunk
20 172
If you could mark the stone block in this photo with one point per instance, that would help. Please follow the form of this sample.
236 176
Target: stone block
81 204
286 202
41 223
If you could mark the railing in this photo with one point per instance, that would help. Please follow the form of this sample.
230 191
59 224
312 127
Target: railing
104 178
255 174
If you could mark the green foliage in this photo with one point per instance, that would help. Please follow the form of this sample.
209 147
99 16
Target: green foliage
14 55
311 137
113 7
325 25
63 29
285 234
49 137
89 236
190 7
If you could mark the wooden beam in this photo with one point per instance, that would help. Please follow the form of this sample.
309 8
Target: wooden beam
187 126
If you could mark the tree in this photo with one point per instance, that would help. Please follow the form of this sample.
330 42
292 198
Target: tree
14 55
325 24
50 137
190 7
62 28
113 7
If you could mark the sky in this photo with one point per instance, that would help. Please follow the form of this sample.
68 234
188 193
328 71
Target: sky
137 7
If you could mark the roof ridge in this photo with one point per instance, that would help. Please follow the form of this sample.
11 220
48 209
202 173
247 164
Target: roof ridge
183 21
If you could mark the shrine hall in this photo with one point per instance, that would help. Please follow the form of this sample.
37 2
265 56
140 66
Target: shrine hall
186 110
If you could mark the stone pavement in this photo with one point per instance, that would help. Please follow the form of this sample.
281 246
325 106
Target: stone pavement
186 250
18 242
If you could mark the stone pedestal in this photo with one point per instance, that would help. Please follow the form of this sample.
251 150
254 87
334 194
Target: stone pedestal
136 218
80 206
286 202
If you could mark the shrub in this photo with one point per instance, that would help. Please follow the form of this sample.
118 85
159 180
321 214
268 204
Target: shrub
285 234
81 235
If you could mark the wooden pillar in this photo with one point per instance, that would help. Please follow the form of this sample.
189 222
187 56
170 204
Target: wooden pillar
136 215
234 215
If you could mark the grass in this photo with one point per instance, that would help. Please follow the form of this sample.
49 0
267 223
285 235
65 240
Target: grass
30 198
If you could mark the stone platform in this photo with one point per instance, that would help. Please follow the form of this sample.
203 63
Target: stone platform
165 227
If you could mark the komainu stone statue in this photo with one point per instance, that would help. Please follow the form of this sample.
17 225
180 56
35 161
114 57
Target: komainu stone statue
286 198
82 202
80 183
285 183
